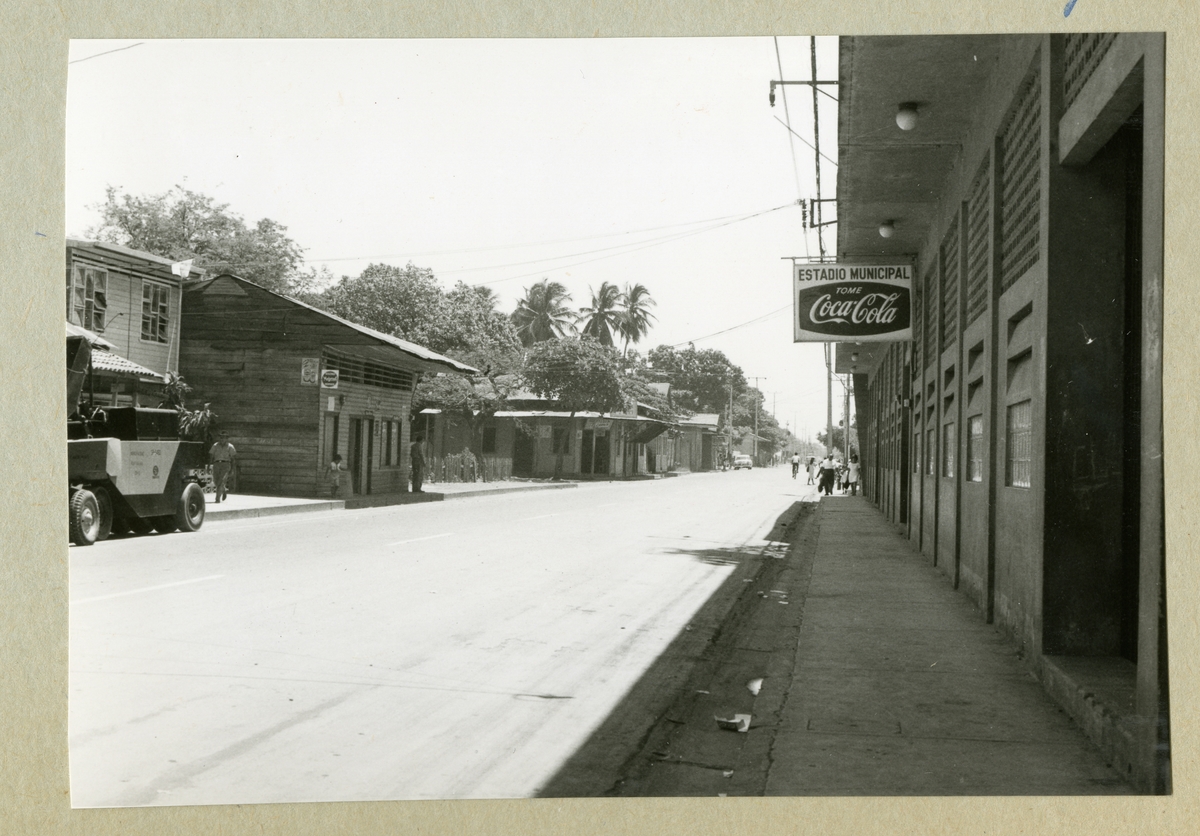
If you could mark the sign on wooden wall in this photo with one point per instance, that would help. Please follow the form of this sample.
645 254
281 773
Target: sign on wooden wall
310 369
329 379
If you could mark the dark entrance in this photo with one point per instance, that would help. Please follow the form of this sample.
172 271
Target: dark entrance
601 455
522 452
585 451
362 451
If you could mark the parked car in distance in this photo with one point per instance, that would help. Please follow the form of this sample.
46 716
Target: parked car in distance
741 460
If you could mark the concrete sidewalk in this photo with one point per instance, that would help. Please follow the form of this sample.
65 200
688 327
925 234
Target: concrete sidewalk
879 679
241 506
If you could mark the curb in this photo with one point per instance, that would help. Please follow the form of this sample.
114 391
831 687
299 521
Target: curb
496 491
273 510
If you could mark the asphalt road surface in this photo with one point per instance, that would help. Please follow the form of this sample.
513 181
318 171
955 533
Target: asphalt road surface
462 649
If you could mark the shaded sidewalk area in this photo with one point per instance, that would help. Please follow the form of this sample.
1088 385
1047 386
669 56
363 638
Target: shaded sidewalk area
877 678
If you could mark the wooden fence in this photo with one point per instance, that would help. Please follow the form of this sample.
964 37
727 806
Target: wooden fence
467 467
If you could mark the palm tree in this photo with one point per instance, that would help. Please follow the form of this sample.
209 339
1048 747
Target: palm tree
603 316
636 316
542 314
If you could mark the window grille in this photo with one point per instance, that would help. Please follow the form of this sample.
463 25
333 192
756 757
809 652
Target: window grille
155 312
87 296
1082 53
978 235
1021 183
950 280
929 350
1020 445
975 448
930 444
918 329
949 446
368 372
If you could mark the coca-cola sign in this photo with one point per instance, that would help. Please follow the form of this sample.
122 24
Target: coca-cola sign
850 302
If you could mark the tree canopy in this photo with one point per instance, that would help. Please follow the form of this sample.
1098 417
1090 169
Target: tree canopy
181 224
700 379
603 317
543 313
579 373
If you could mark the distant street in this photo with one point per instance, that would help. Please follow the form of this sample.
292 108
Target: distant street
462 649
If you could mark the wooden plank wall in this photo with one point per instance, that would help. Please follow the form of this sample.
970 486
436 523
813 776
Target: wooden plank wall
242 349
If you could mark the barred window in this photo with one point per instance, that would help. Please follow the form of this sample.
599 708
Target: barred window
975 448
930 444
916 451
1018 464
156 307
949 443
87 296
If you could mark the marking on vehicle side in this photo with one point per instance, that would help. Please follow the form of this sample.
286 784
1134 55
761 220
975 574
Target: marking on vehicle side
145 589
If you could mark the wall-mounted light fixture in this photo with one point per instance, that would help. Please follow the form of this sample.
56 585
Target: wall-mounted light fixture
886 229
854 357
906 116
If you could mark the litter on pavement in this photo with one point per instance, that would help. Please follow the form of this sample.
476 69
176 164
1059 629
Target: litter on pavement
755 685
738 722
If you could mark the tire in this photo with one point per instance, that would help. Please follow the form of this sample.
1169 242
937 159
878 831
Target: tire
164 524
85 517
105 518
190 515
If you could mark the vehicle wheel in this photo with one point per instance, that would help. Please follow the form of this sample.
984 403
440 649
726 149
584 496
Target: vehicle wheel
190 515
85 518
105 518
164 524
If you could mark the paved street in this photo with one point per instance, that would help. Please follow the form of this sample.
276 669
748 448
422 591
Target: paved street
442 650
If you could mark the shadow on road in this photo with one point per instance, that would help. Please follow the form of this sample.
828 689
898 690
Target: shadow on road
598 766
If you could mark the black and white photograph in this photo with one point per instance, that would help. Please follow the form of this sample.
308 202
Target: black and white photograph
481 418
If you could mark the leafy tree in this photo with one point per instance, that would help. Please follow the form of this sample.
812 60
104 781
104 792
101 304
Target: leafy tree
603 316
579 373
635 318
543 314
839 437
181 224
407 302
701 379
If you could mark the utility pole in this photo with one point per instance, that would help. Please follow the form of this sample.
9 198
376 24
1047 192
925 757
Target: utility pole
829 399
729 425
759 394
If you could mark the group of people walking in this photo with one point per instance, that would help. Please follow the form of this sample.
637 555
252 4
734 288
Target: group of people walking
829 472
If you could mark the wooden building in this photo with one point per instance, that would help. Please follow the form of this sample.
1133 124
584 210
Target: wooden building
131 301
1017 438
292 385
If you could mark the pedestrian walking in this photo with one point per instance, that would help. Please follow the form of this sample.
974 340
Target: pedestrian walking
335 471
852 474
837 473
221 455
796 465
812 470
417 464
827 472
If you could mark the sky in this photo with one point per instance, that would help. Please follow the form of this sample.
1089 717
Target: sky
652 160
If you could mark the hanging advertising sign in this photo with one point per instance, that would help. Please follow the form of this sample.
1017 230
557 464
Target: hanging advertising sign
852 302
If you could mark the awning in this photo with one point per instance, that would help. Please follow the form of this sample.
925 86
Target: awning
92 338
106 362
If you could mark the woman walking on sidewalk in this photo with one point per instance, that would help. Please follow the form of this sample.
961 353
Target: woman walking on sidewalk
852 474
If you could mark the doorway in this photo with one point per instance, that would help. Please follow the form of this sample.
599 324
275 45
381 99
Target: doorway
522 452
362 453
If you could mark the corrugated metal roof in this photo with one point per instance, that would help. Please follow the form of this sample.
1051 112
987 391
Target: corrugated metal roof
109 363
413 349
701 419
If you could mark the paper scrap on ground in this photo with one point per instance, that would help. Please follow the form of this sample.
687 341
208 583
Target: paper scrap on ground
738 722
755 685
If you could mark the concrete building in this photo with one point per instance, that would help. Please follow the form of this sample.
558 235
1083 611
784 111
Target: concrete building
1017 438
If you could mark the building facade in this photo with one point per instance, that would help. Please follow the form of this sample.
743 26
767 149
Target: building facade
1017 438
292 385
131 300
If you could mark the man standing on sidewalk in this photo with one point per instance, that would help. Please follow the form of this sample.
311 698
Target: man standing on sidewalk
417 463
826 474
221 455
